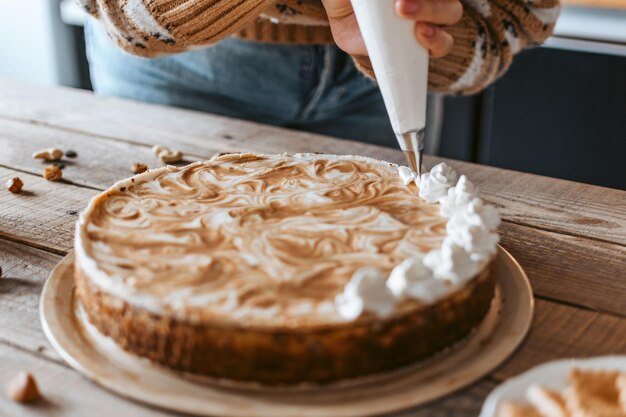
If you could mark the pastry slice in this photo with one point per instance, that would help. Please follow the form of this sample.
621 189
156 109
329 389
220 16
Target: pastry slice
511 409
593 394
621 387
549 403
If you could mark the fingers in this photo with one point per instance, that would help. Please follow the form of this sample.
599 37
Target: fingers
336 9
438 12
433 38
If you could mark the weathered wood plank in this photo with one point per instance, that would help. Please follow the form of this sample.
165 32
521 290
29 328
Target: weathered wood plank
66 392
24 272
44 213
190 131
561 331
99 164
551 204
571 269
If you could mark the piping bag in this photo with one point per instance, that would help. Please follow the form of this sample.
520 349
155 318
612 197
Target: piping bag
401 67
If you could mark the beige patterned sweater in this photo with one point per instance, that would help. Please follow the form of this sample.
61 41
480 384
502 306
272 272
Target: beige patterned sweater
485 40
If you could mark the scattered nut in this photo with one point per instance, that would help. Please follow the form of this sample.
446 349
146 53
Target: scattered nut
167 155
71 154
52 173
138 168
52 154
23 388
15 185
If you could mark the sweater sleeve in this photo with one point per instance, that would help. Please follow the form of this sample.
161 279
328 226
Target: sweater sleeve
490 33
158 27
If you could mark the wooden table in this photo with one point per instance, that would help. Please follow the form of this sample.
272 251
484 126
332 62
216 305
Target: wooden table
569 237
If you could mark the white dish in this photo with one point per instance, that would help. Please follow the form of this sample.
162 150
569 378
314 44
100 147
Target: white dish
550 375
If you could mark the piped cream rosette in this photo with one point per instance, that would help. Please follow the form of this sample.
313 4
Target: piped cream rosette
471 241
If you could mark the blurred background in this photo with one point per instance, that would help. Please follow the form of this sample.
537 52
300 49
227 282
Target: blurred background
559 111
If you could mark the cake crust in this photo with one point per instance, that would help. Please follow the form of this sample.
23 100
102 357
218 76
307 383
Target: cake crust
290 355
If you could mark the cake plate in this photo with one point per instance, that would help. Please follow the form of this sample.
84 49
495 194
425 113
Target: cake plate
99 359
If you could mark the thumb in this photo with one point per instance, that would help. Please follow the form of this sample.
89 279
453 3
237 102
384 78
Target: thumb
337 9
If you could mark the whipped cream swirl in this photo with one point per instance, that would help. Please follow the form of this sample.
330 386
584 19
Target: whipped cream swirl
458 196
413 279
470 242
435 184
366 291
452 262
473 229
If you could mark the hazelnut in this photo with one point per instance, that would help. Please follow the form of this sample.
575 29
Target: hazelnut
167 155
138 168
23 388
15 185
52 173
53 154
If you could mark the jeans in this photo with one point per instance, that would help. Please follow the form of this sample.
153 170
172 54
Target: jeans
315 88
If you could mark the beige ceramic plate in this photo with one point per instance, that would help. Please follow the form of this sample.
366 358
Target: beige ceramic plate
98 358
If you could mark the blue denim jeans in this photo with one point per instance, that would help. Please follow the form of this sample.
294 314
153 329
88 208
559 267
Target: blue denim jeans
315 88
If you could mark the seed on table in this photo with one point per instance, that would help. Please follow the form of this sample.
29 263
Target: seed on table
23 388
53 154
15 185
52 173
138 168
57 164
71 153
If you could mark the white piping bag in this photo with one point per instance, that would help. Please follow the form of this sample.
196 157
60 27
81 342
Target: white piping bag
401 67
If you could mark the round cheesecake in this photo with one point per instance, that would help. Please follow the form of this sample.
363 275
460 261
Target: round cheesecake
240 267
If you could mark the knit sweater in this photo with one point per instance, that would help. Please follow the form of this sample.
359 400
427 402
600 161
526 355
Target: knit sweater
485 39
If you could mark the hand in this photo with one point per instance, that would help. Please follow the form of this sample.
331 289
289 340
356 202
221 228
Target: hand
427 14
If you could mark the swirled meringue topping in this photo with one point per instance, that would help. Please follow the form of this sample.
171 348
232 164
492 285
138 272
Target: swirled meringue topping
458 196
366 291
434 185
265 240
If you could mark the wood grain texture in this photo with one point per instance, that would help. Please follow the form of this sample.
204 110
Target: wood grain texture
556 205
99 164
560 332
571 269
66 392
25 270
44 213
192 132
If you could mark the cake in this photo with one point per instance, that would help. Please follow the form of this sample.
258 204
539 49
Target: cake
285 269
